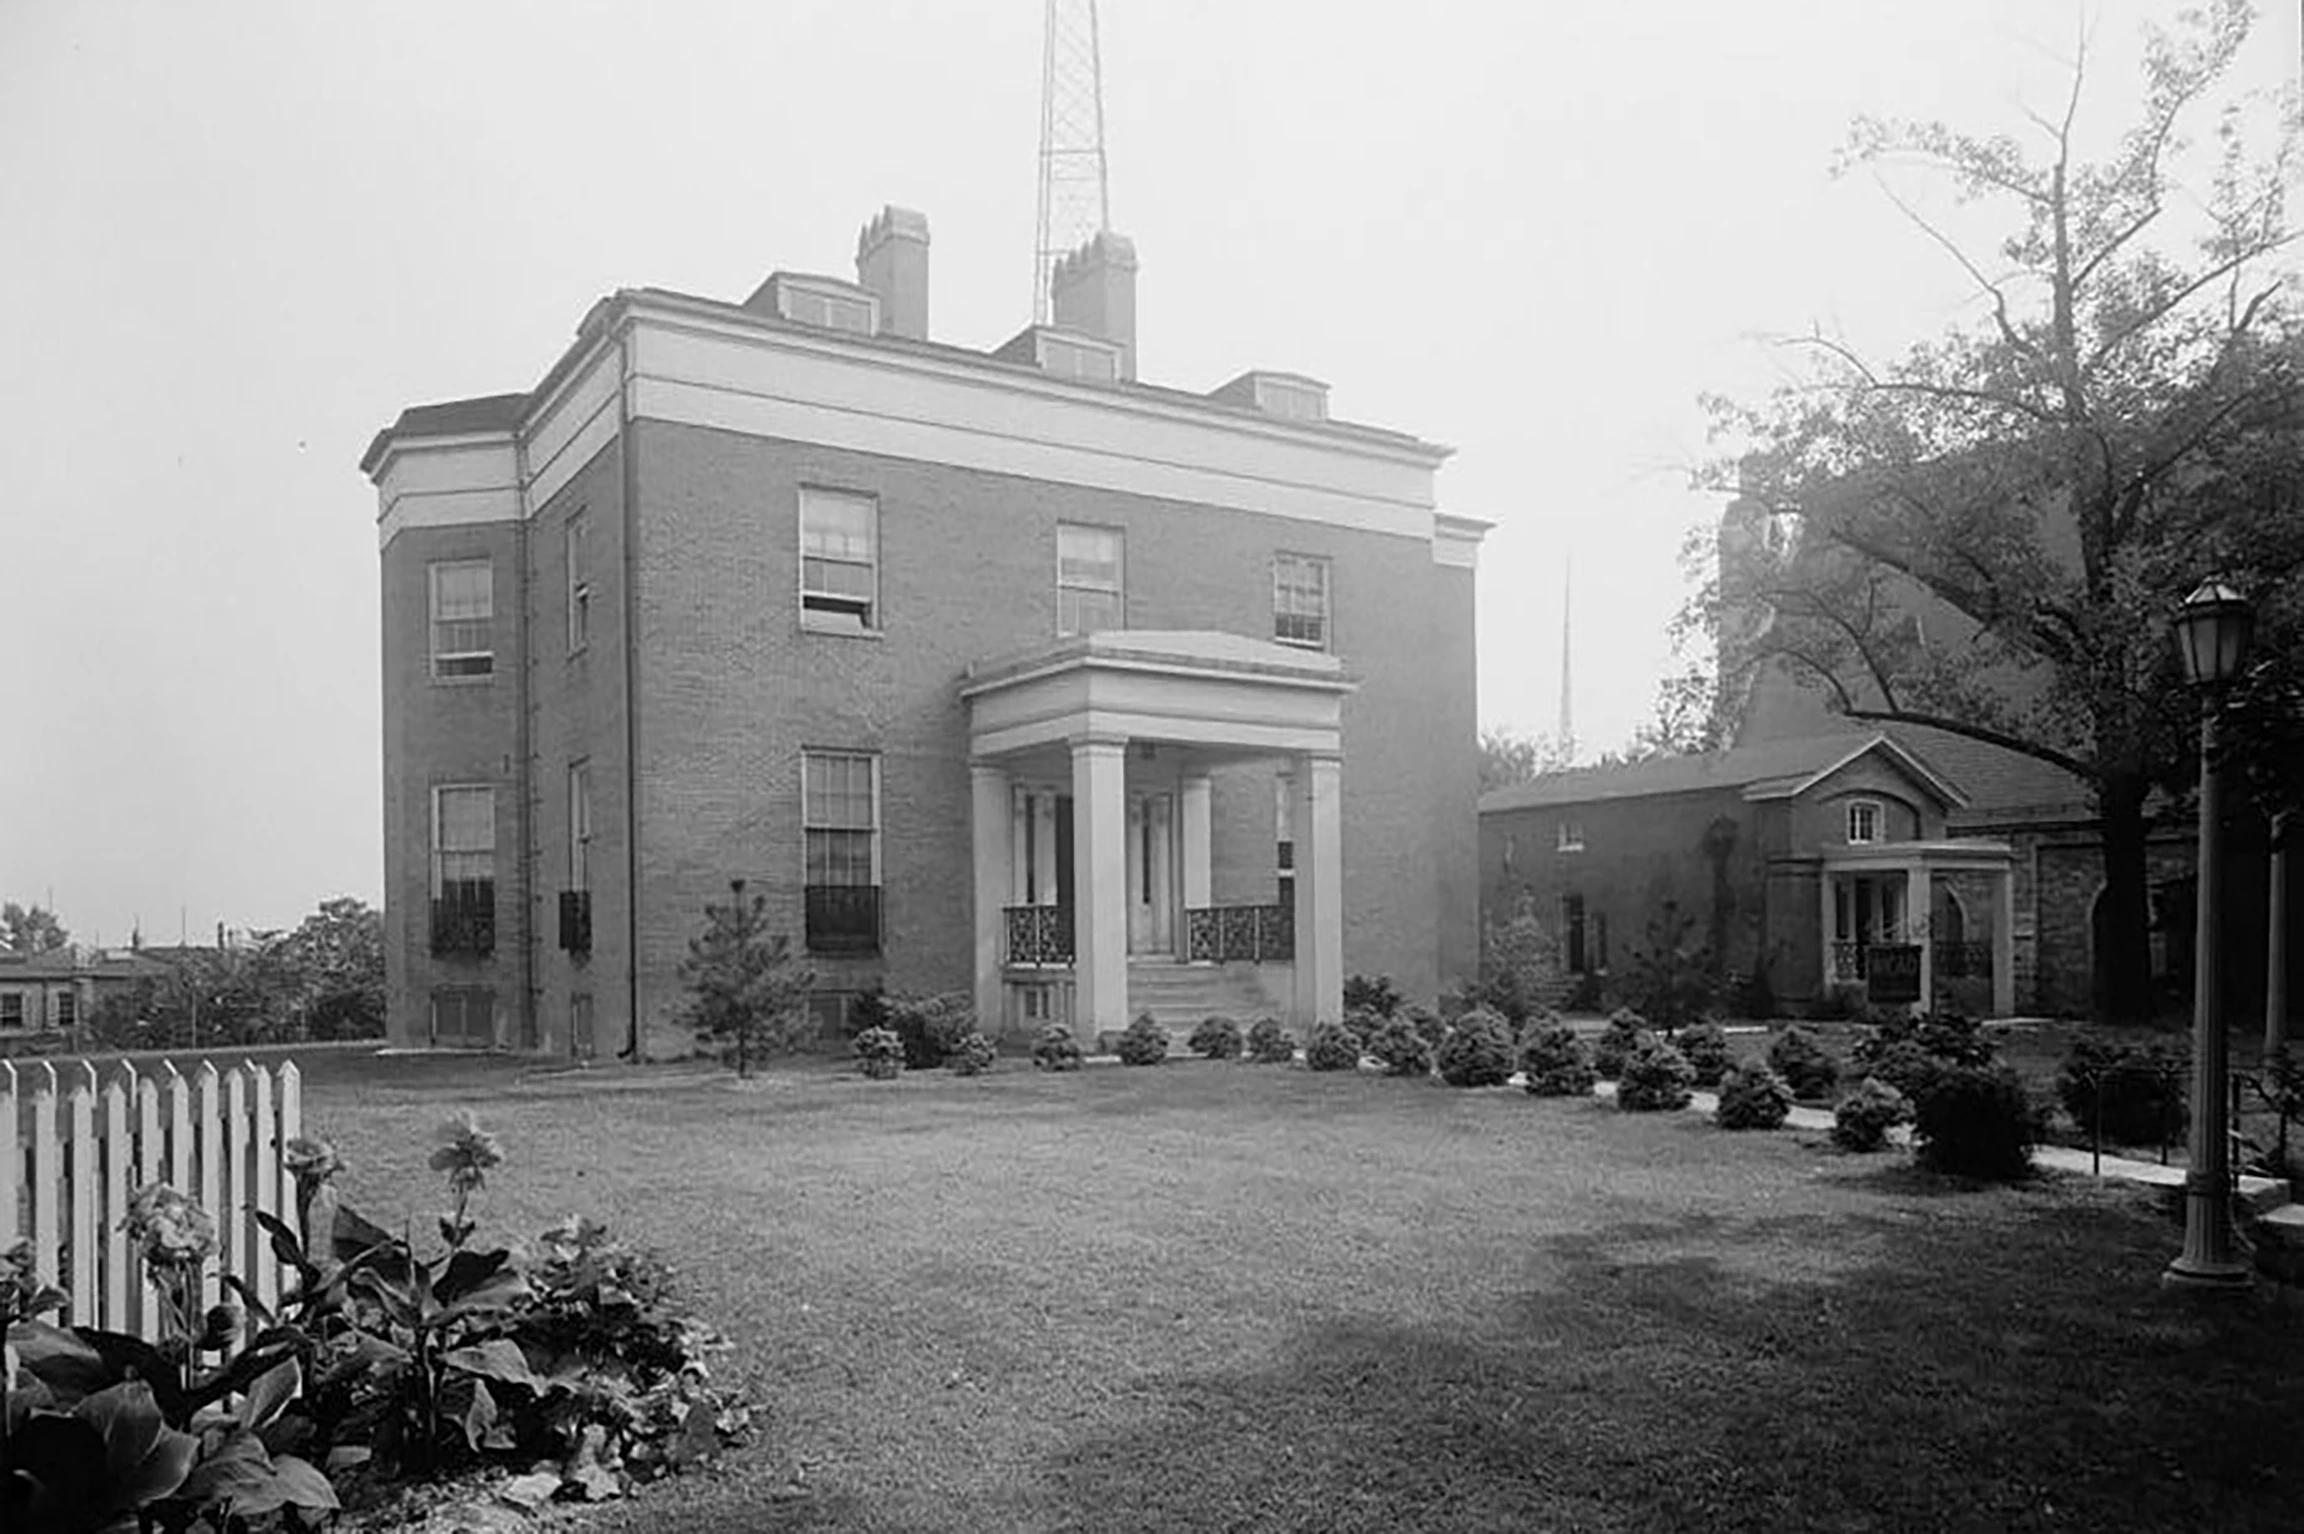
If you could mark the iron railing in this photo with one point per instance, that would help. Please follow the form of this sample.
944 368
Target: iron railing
1256 933
1039 934
464 918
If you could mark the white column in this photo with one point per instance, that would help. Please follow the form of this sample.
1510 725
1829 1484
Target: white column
1828 891
994 824
1195 805
1316 824
1100 886
1917 911
1044 847
1019 844
2004 944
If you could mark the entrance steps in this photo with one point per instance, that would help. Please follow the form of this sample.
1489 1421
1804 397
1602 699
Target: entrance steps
1179 995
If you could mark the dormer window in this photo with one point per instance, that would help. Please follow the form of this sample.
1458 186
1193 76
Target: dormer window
826 303
1079 357
1863 822
1294 399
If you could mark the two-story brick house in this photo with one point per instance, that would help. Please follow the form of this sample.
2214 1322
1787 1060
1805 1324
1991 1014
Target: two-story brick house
1000 671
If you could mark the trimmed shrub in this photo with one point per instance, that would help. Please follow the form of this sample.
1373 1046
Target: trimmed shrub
1903 1065
1656 1076
1976 1121
1401 1048
1056 1049
1625 1029
1269 1043
930 1025
1332 1047
1706 1046
1143 1042
1805 1064
1554 1062
1947 1036
1372 993
1430 1026
880 1053
972 1055
2127 1095
1477 1051
1752 1097
1864 1117
1217 1038
1362 1024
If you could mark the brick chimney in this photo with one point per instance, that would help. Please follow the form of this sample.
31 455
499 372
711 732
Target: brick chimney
1093 290
892 262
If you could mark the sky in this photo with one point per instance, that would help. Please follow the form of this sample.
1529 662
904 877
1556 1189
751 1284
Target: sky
236 238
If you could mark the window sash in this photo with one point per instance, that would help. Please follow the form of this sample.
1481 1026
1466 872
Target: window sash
463 836
463 601
1863 823
1091 578
840 811
839 553
580 826
579 584
12 1010
1300 599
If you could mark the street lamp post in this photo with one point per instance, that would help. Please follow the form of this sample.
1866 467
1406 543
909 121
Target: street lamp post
2212 632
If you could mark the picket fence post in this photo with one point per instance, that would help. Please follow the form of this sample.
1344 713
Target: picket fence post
72 1158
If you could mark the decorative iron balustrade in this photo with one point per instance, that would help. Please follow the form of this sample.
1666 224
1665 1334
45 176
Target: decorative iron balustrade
1039 934
1255 933
843 918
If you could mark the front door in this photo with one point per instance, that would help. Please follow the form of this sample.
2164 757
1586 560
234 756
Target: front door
1151 873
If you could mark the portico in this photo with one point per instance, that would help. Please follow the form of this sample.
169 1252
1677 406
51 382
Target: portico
1094 761
1896 902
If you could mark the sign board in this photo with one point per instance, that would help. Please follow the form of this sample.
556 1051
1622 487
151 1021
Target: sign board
1892 973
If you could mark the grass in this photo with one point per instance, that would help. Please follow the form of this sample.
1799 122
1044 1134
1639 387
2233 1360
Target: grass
1223 1296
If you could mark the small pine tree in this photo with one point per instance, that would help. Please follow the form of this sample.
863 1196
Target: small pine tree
744 990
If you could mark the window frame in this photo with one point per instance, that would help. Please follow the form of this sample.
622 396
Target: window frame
436 653
810 756
823 610
1878 812
440 791
1117 591
64 1008
576 554
1569 837
13 1001
1282 589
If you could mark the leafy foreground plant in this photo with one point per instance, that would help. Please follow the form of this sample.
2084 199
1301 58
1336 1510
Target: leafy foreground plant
1217 1038
1554 1062
1400 1048
1332 1047
1656 1077
1143 1042
1752 1097
1269 1043
1477 1051
1056 1049
379 1363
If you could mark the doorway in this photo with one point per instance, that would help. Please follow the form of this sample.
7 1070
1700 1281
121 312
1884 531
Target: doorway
1151 873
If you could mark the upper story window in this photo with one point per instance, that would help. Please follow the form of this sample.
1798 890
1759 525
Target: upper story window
579 582
11 1009
1300 600
1070 357
1863 822
464 869
1571 836
579 825
839 560
1090 594
67 1012
463 620
840 810
826 306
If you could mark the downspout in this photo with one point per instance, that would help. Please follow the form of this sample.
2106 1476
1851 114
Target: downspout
524 744
631 1050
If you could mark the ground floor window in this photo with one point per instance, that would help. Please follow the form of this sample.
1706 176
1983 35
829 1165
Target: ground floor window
11 1009
1583 936
463 1018
67 1009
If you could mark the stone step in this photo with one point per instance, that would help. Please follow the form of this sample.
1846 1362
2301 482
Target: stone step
1179 995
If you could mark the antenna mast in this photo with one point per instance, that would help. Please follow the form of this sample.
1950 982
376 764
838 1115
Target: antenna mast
1075 202
1567 741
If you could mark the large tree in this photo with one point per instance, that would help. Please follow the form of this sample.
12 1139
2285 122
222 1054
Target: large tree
1988 533
30 929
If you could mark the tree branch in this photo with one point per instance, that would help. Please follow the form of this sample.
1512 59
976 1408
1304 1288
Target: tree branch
1979 732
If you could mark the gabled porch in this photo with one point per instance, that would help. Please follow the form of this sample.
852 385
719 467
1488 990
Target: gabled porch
1093 760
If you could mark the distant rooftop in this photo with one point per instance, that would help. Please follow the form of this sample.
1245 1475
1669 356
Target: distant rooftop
1758 771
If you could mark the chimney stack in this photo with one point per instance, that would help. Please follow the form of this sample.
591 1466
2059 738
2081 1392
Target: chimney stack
892 262
1093 290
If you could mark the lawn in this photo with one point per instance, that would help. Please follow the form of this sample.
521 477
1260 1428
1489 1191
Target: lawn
1239 1297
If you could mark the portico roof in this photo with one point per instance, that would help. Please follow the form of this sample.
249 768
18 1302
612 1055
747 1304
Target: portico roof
1193 686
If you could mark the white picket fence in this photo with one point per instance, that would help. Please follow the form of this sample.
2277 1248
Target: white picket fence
74 1149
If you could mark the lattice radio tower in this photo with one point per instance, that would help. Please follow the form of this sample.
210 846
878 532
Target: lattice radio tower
1075 202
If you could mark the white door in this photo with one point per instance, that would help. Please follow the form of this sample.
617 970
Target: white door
1151 873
